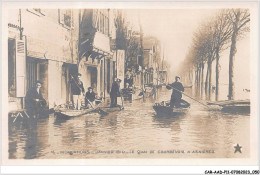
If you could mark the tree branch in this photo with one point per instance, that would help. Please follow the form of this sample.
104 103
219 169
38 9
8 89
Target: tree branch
244 23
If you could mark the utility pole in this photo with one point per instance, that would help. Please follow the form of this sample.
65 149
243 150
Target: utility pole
79 39
20 24
141 53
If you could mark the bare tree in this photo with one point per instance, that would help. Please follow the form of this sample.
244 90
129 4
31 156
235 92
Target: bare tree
200 52
126 39
208 50
239 18
223 31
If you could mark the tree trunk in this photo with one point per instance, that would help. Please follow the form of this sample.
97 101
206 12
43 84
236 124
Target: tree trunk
199 78
233 51
197 72
217 75
202 78
190 77
210 73
206 80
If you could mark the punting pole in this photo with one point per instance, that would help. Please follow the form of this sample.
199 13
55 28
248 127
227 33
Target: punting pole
189 96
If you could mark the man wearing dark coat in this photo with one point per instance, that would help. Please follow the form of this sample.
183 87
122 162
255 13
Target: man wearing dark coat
90 97
114 93
34 102
177 89
77 90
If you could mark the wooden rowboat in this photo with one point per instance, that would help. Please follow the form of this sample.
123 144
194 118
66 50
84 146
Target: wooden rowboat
164 109
112 109
68 113
71 113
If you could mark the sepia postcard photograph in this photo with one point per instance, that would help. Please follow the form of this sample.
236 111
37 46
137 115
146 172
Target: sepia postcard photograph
130 83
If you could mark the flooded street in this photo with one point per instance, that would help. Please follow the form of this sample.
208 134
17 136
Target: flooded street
135 132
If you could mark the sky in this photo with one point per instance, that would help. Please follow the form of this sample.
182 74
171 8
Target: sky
174 28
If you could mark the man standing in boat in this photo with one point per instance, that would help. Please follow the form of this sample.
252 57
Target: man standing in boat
34 102
177 89
77 90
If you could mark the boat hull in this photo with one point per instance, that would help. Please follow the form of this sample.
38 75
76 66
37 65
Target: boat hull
237 109
168 111
70 113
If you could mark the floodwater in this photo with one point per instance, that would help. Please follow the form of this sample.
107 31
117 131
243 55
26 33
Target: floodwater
135 132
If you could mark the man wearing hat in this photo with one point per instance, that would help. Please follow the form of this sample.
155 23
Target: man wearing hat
77 90
90 98
115 92
177 89
34 102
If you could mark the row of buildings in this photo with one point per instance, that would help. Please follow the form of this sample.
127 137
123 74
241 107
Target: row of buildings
53 45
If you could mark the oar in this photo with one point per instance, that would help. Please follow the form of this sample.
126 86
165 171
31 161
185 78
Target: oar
99 110
189 96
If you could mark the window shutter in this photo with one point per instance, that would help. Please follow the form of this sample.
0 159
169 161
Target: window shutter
20 68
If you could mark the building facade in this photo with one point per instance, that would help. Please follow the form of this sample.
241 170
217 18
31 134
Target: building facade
95 55
42 45
151 60
53 45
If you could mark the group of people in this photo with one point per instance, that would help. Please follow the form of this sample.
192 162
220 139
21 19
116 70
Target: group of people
90 97
77 90
35 103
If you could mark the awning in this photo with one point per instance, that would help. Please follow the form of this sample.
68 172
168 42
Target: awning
101 44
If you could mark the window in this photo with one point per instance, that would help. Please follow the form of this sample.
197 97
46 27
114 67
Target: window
31 72
66 18
95 19
100 21
106 25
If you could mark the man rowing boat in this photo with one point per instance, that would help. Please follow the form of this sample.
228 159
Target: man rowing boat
176 97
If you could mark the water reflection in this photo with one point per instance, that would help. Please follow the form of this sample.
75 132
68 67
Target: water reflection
136 127
167 121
